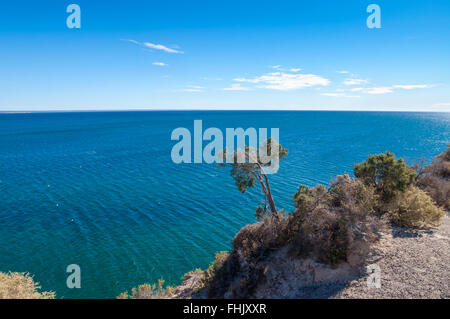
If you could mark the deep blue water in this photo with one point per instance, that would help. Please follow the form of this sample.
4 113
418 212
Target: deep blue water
100 189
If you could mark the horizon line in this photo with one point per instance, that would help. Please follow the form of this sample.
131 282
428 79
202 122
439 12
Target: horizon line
218 109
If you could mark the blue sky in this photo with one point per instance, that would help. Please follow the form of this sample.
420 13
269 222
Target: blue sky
225 55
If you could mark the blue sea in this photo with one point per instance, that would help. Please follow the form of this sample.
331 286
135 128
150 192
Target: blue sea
99 189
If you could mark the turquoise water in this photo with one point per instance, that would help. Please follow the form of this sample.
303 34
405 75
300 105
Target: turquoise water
100 190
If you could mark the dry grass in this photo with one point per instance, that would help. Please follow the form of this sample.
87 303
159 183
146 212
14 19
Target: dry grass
149 291
14 285
415 209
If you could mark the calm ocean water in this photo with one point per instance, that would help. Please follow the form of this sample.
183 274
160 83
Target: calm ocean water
100 190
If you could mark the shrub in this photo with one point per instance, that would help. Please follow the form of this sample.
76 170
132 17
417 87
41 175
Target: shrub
435 179
327 224
414 208
14 285
307 199
148 291
386 173
353 195
215 268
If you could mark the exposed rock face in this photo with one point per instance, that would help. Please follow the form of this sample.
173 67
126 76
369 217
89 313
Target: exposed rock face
285 277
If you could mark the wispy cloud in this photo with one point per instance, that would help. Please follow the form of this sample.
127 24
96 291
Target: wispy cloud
343 72
279 68
283 81
236 87
413 86
352 81
159 63
390 89
379 90
193 88
339 95
150 45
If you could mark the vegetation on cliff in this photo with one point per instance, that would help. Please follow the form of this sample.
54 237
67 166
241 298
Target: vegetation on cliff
331 227
330 231
434 179
14 285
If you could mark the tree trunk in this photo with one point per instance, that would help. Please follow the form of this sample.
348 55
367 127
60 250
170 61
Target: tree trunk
273 209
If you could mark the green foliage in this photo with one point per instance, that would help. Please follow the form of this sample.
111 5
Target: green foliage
303 198
306 198
260 213
214 270
353 195
249 166
386 173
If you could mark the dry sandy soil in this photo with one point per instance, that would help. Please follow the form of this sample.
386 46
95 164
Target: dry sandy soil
414 264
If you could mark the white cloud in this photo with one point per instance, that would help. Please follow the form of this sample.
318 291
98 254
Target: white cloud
413 86
159 63
354 81
339 95
286 81
279 68
379 90
155 46
356 89
343 72
193 88
160 47
390 89
237 87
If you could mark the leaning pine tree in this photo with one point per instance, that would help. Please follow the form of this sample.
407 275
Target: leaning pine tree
250 165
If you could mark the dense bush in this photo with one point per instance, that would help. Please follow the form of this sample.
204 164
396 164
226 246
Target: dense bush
386 173
15 285
435 179
327 223
328 226
414 208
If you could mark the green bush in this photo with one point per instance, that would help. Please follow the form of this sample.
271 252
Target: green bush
307 198
386 173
